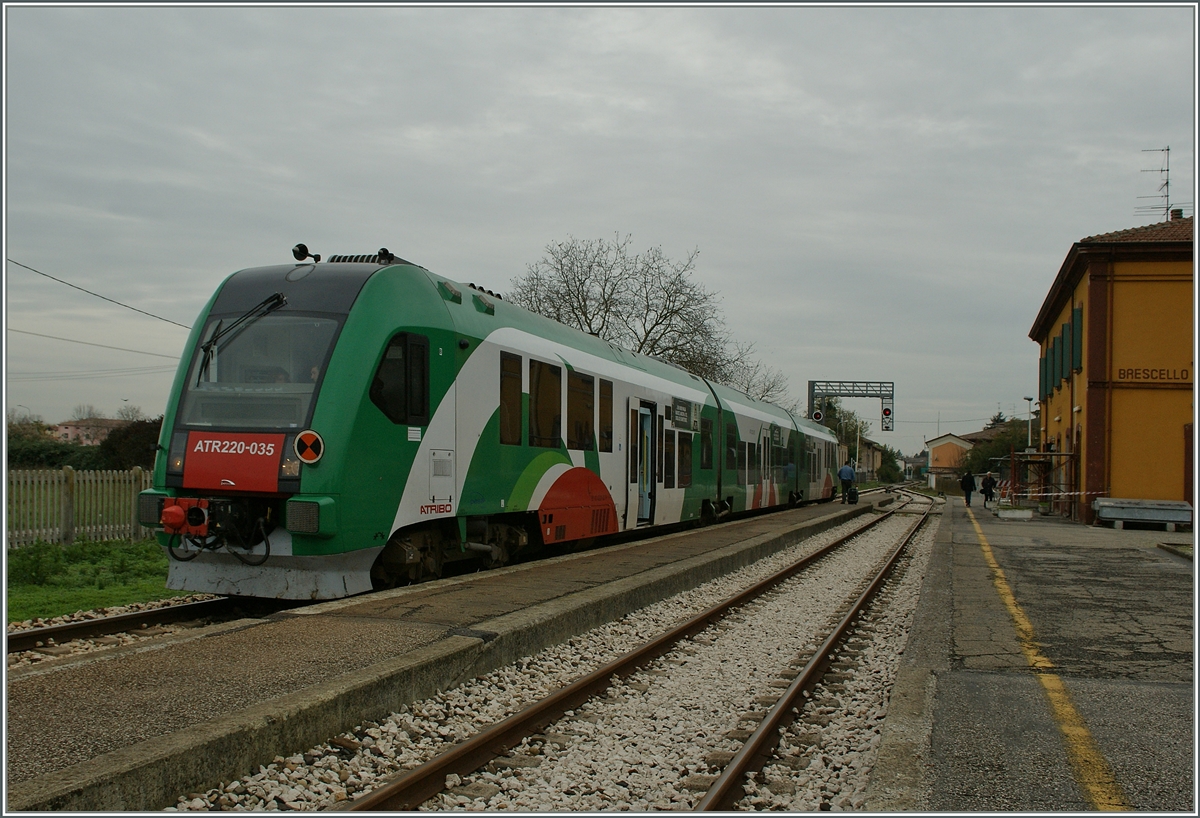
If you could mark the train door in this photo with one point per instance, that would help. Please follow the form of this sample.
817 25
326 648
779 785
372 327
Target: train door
648 457
641 461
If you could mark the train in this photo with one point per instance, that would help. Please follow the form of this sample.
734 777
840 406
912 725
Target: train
354 424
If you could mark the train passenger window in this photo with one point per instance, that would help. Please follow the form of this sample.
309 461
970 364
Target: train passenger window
510 399
658 477
606 415
545 405
685 459
741 463
731 448
581 410
669 455
401 385
632 443
752 469
706 444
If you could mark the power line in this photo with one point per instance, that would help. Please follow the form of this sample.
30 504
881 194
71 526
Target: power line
90 344
79 375
89 292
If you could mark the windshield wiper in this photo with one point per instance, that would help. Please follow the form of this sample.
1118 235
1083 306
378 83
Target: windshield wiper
264 307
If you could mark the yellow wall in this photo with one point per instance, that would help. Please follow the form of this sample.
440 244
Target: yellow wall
946 456
1150 345
1147 443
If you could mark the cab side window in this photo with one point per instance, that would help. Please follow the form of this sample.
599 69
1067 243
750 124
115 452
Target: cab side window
401 385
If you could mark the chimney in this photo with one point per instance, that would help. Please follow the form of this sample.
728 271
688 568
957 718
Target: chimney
1176 215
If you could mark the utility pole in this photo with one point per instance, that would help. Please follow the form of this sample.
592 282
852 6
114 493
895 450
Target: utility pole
1029 424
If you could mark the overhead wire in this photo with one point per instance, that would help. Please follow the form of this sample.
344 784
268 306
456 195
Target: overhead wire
97 295
93 344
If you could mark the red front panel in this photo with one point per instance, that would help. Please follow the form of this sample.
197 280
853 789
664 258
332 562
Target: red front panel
232 462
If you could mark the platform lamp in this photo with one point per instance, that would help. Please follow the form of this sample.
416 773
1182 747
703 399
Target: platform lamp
1029 423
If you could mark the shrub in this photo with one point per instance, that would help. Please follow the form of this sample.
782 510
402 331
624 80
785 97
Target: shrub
36 564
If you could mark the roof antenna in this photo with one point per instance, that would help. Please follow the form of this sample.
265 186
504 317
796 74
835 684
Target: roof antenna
300 252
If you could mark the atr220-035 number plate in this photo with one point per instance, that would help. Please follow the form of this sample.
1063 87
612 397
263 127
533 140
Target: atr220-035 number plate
233 462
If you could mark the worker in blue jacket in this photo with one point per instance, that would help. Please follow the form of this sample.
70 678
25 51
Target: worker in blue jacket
846 475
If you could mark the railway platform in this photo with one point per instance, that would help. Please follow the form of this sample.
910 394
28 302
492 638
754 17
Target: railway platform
1050 668
131 728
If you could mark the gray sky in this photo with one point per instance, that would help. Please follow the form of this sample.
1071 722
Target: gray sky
876 193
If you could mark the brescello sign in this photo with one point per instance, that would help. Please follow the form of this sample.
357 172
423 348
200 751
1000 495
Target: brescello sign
1152 374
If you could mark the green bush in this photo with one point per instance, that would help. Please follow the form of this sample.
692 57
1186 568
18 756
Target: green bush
46 579
35 564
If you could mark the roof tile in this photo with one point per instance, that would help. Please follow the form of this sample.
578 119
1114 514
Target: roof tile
1174 230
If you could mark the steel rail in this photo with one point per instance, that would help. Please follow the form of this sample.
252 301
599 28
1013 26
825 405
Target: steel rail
729 787
412 788
119 623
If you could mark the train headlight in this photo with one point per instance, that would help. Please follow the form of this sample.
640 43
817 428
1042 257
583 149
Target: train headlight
289 464
178 451
289 467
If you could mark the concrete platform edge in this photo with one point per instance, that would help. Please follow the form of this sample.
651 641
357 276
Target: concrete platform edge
899 782
152 774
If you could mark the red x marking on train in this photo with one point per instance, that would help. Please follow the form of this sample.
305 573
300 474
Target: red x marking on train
309 446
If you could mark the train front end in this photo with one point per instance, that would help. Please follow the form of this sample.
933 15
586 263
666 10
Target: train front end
228 500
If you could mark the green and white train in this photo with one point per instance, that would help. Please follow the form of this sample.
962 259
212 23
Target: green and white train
362 422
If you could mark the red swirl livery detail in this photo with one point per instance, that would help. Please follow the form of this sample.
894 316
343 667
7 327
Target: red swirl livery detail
576 507
233 462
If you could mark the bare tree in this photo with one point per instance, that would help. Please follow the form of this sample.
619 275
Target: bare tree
645 302
748 374
580 283
85 411
131 413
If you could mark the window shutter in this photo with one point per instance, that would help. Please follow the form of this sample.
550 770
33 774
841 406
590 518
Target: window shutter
1077 346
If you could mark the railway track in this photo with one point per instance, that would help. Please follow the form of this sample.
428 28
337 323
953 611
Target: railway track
50 637
415 787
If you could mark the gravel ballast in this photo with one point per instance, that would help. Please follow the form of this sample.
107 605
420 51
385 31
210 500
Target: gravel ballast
648 744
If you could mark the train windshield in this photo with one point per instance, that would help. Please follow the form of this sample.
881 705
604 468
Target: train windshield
263 375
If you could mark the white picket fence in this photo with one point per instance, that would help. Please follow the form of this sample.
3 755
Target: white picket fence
60 505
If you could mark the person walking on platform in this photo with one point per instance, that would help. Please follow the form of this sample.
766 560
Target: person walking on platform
968 486
846 475
987 487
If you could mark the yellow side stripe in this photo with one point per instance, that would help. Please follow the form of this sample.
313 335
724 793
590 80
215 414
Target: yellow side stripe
1091 770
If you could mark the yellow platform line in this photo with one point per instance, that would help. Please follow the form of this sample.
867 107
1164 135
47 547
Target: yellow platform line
1091 770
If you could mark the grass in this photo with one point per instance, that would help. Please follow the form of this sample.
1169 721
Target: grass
46 579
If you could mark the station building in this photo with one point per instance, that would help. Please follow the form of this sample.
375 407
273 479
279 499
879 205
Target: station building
1116 369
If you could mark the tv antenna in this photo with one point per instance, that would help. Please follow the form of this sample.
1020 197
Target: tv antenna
1164 194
